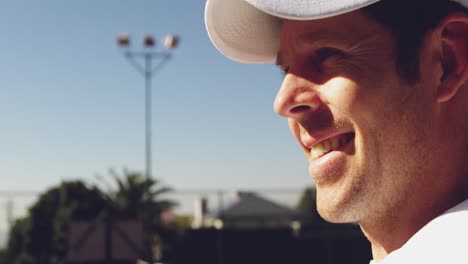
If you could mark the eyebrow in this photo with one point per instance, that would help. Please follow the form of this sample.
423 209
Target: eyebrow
309 39
317 38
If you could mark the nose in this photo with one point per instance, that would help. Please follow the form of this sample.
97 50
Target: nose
296 97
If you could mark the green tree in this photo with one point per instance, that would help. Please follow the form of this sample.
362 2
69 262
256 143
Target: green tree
3 256
41 237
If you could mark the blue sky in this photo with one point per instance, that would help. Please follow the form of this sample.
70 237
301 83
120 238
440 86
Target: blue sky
72 107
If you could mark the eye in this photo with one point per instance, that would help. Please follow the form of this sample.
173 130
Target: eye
324 54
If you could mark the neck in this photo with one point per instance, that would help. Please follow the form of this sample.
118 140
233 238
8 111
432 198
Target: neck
390 234
392 231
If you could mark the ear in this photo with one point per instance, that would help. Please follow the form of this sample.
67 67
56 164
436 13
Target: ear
452 34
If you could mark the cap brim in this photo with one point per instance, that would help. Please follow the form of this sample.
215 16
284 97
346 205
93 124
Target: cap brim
248 30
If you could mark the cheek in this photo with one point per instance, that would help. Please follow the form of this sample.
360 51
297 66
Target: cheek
340 94
377 102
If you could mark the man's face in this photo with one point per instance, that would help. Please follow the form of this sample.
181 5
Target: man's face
365 131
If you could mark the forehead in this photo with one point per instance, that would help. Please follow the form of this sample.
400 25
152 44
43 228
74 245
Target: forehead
346 28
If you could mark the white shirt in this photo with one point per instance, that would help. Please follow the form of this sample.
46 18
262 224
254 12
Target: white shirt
443 240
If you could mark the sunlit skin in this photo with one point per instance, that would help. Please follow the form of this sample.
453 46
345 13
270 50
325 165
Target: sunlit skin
403 160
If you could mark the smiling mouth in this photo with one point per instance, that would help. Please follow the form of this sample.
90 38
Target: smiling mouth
330 144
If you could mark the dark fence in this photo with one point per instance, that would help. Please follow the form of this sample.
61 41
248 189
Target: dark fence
327 244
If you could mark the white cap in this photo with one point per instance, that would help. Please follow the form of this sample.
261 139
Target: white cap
248 30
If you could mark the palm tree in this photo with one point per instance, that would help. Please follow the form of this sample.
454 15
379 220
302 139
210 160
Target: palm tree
142 198
139 196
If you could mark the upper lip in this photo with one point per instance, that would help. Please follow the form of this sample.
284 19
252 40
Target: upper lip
309 140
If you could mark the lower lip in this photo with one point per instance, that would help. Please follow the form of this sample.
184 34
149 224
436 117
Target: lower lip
330 167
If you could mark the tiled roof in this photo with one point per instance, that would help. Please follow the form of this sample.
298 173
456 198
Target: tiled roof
252 206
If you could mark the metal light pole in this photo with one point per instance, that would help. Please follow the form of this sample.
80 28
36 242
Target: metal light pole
143 62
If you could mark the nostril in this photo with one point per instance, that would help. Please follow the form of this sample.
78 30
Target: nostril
299 109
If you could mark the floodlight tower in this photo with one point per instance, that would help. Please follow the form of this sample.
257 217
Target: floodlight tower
148 62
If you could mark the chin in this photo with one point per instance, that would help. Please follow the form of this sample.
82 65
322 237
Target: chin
336 210
336 216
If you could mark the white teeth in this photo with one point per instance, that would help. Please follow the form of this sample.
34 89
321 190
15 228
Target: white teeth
326 146
335 143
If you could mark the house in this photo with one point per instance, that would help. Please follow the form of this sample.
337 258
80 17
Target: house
246 211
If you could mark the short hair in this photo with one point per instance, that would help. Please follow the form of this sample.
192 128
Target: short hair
409 21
